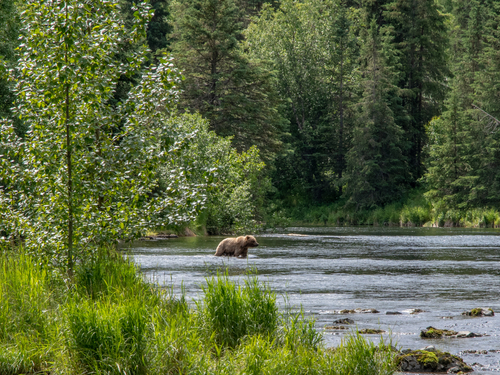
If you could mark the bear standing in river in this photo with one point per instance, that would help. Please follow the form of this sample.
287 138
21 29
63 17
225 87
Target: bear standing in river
236 247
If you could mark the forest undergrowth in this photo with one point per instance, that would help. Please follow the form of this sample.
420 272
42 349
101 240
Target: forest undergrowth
414 210
107 319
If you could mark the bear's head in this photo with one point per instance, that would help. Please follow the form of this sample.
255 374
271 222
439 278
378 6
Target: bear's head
250 241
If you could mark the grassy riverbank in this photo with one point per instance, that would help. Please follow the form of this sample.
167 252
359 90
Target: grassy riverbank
108 320
414 210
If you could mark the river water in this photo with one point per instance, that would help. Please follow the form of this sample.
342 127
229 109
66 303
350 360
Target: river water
442 271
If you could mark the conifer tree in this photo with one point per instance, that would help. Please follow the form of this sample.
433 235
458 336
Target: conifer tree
376 169
345 56
420 38
465 166
234 93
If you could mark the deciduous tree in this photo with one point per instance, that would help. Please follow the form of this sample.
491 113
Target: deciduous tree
85 172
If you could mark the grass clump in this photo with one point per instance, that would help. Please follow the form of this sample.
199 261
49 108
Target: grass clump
230 312
108 320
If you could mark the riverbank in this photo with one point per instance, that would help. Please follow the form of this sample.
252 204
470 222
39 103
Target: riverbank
108 320
415 210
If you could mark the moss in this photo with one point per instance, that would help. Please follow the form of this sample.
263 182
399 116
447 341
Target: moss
336 327
434 333
427 358
369 331
476 312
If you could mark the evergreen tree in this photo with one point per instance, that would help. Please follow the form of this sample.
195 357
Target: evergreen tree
464 167
344 80
234 93
487 106
376 169
420 38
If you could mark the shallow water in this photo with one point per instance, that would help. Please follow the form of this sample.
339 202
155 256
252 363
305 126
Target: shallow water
443 271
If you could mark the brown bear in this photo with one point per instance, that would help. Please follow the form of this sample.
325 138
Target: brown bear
236 247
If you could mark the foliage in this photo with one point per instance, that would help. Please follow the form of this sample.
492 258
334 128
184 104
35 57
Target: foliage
236 94
10 26
85 172
463 148
312 48
376 169
236 181
229 312
421 40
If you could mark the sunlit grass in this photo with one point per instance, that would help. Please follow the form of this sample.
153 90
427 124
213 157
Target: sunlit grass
108 320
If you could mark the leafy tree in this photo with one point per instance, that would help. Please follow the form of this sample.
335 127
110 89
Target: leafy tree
234 93
236 182
9 34
376 168
85 172
312 48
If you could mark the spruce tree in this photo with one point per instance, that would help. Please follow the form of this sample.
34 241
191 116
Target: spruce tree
344 81
234 93
464 159
420 39
376 168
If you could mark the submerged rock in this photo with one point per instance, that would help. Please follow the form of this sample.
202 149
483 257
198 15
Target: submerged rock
473 351
430 361
370 331
393 313
479 311
416 311
336 327
413 311
344 321
463 334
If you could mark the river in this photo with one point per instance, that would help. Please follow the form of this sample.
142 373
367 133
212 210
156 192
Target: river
442 271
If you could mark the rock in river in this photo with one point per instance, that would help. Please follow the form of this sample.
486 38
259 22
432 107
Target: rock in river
344 321
434 333
358 311
430 361
479 311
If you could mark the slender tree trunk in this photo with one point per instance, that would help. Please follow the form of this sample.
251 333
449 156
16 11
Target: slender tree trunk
340 160
213 84
69 167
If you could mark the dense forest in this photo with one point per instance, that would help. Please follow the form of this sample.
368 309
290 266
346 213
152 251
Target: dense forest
231 115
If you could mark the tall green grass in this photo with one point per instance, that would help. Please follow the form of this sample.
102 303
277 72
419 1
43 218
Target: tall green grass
109 320
230 312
